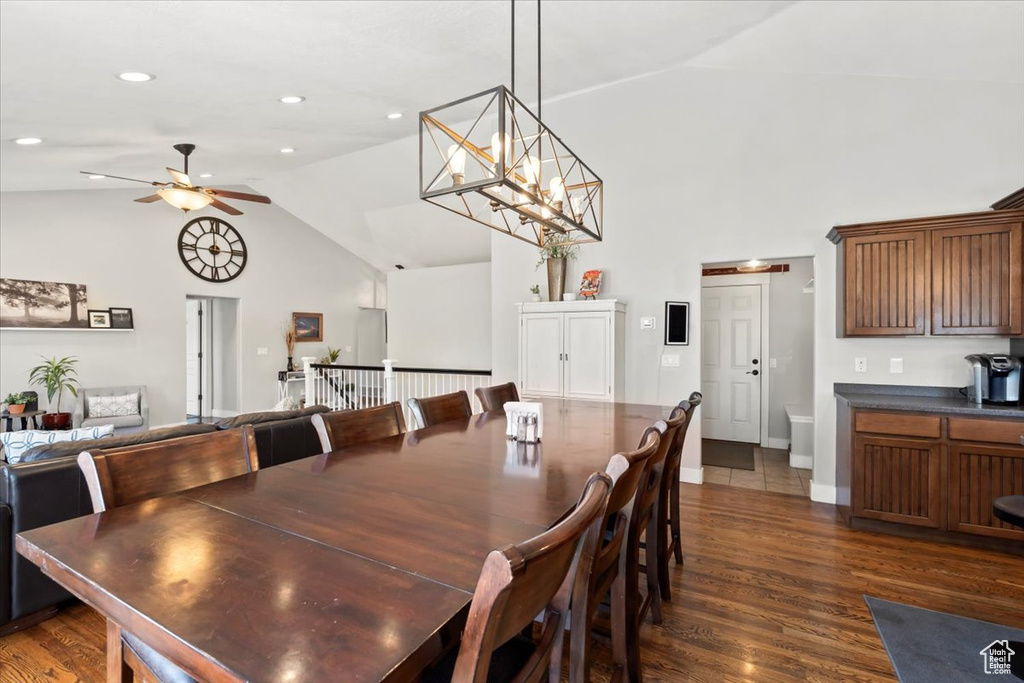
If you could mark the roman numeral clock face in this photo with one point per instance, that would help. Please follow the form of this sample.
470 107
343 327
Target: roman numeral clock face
212 249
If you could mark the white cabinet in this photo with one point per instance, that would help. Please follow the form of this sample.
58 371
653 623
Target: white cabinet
572 349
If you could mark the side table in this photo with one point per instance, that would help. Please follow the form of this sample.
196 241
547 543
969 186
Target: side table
9 418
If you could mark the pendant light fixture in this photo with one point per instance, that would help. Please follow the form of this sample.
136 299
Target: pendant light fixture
491 159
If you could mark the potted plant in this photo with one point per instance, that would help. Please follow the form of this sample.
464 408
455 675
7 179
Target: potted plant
56 376
535 290
16 403
331 357
557 248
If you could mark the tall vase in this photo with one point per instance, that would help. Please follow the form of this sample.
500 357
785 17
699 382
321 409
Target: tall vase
556 278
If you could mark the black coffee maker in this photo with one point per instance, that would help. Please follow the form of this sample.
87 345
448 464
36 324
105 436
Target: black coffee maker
996 379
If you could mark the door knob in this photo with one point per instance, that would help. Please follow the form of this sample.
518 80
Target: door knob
755 373
754 361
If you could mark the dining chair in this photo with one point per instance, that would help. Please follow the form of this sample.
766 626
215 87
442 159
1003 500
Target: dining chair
669 537
606 577
437 409
129 474
344 428
520 581
494 398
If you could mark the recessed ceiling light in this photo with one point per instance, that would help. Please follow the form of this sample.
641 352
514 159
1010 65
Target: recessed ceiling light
395 115
287 150
97 177
205 175
292 99
135 76
27 141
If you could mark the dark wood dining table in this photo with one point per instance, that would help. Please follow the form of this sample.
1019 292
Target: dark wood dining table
354 565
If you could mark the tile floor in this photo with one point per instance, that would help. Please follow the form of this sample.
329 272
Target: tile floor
771 473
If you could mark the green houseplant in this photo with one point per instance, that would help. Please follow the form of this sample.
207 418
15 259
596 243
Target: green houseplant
56 375
331 357
16 403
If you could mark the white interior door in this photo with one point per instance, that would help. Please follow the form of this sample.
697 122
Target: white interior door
731 368
191 357
540 351
588 356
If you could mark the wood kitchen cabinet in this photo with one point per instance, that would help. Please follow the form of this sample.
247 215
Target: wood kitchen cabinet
910 472
949 275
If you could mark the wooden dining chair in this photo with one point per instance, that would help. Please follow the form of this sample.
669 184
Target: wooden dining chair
129 474
494 398
344 428
437 409
669 536
517 583
606 577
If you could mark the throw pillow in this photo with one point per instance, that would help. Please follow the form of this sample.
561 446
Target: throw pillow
17 443
113 406
286 403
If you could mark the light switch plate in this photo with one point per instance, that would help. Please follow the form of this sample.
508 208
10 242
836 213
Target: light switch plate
670 360
773 362
860 364
647 323
348 349
896 366
262 351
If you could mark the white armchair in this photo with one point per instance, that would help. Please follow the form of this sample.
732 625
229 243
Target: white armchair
124 407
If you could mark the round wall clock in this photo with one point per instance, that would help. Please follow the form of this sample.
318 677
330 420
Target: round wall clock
212 249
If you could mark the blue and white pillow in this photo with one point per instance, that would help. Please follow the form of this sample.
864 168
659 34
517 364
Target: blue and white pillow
16 443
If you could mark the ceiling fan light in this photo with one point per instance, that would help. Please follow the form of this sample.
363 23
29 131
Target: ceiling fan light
186 200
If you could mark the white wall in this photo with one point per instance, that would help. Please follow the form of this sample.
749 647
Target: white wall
224 357
126 254
440 317
719 165
791 344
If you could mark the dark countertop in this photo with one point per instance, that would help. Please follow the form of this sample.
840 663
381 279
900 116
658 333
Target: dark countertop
941 400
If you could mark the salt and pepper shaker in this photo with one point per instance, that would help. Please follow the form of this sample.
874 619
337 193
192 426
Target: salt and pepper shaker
526 428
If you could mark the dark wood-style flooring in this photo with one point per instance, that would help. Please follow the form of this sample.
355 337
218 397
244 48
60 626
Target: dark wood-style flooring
771 591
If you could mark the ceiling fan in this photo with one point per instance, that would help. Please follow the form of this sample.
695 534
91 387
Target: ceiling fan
182 194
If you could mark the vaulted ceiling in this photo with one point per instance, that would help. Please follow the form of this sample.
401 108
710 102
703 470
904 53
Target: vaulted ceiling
221 67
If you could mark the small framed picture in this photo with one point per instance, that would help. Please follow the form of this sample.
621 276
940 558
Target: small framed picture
99 319
590 287
309 327
677 323
121 319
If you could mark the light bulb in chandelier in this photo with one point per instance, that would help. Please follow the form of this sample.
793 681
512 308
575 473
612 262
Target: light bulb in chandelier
457 164
500 145
531 171
576 202
557 189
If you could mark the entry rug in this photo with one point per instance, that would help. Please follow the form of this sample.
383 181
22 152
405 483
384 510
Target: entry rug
927 646
738 456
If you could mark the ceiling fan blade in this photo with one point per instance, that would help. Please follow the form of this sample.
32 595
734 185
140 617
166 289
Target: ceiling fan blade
239 195
117 177
179 177
226 208
150 198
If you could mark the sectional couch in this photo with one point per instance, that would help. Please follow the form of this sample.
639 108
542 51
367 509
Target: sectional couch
47 487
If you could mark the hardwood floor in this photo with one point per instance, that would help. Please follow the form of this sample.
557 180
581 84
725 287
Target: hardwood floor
771 590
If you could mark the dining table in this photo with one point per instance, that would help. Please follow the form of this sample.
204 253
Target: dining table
357 565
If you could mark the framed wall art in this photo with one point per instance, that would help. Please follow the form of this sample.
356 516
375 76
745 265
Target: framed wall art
677 323
309 327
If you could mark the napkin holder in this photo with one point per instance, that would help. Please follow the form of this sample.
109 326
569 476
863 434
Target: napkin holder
514 409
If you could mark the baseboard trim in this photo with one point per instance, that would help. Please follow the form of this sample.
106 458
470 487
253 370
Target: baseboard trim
804 462
691 475
781 444
821 493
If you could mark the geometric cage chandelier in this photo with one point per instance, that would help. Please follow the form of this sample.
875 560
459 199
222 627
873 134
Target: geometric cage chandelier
489 158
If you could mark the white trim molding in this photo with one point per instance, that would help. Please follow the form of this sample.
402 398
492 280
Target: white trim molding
691 475
803 462
780 444
822 493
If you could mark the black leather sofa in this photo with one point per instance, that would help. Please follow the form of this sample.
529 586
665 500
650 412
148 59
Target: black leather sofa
48 487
